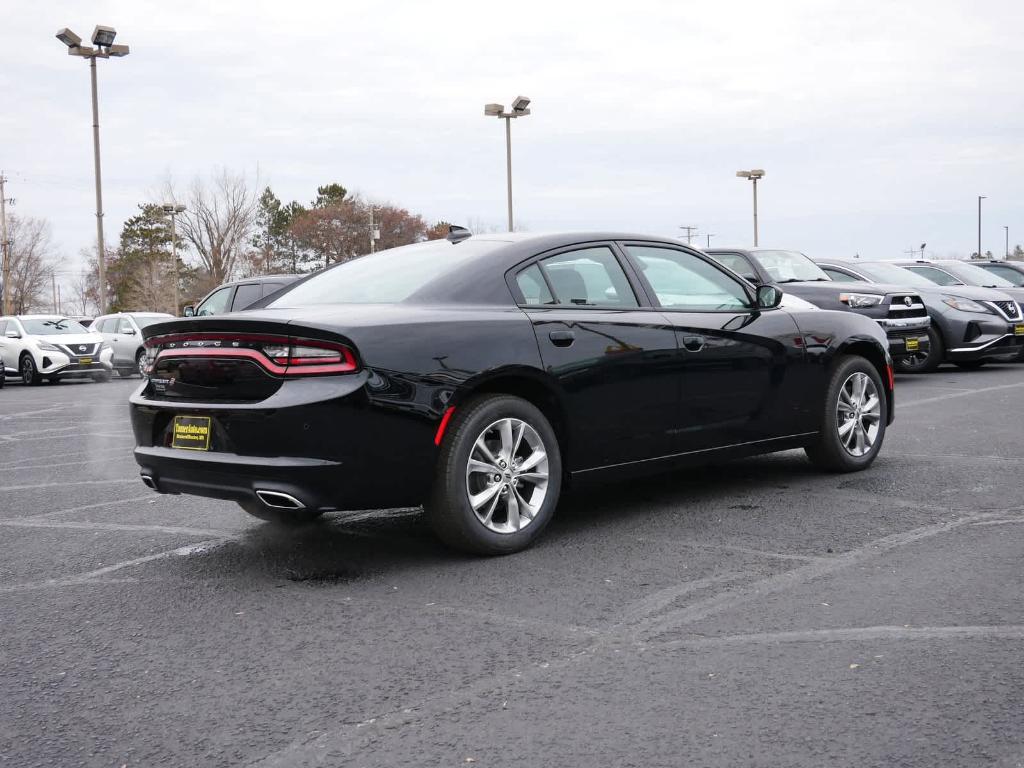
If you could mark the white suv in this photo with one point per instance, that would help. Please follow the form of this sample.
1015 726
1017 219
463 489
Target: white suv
123 333
52 347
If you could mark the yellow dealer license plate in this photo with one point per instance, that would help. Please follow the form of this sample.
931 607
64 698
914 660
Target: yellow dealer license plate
85 361
191 433
912 345
1018 330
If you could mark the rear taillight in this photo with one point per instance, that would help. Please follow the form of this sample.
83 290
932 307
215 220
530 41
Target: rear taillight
280 355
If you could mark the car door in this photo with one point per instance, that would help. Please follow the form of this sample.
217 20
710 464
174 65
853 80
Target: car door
216 303
739 367
126 339
610 354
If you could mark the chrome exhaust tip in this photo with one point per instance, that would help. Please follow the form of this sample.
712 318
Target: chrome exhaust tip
149 481
279 500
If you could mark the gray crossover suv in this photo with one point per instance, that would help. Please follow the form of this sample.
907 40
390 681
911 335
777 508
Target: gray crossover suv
970 325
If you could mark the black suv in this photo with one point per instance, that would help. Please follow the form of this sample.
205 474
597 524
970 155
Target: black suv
899 310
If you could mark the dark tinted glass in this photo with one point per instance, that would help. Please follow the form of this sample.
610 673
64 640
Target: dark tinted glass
589 277
245 295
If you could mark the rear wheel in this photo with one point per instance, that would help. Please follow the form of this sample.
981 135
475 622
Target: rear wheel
29 373
853 418
139 357
924 362
284 517
970 365
498 477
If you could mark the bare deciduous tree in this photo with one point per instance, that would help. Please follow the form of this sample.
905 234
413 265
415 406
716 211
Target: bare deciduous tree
32 257
217 222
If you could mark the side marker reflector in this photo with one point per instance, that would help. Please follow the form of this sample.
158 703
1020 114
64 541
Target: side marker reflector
443 425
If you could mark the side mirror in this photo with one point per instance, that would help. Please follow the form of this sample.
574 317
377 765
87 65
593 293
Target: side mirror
12 335
768 296
189 311
130 332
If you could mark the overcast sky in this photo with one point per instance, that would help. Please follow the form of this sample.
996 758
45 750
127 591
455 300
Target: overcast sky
878 123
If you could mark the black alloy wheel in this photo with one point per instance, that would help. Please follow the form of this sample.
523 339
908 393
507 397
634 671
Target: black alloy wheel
924 362
29 373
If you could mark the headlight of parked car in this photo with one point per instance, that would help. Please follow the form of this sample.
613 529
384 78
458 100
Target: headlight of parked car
860 300
46 347
965 305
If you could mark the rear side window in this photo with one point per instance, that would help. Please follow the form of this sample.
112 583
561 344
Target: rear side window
589 277
533 286
738 264
937 276
245 295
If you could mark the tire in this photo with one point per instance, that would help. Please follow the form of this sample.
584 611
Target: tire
924 363
29 373
514 432
139 357
101 378
292 518
970 365
854 449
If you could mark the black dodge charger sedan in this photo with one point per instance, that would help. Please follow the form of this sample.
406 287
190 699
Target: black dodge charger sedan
478 375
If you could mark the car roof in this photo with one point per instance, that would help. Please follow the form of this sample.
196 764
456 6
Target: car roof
258 279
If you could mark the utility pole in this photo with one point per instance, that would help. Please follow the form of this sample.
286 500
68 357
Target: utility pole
690 232
980 198
374 232
1007 230
710 235
53 288
5 248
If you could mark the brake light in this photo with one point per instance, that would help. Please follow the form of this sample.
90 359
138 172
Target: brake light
280 355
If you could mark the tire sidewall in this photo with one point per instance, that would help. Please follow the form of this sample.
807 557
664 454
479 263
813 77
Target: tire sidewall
26 376
450 511
936 353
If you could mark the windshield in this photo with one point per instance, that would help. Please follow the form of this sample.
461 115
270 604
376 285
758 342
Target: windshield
143 321
973 275
789 266
52 326
891 273
386 277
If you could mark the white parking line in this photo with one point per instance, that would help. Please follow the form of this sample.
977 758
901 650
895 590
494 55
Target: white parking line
66 485
29 522
965 393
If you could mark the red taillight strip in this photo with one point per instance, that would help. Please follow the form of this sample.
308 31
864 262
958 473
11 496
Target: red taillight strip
443 425
342 361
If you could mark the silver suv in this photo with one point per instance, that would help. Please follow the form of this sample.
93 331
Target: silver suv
123 332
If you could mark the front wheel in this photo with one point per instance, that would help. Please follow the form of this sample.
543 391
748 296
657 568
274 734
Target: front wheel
139 358
924 362
853 419
29 373
498 477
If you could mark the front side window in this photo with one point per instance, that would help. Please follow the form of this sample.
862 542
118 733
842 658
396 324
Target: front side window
52 326
1007 273
682 280
125 326
589 277
937 276
216 303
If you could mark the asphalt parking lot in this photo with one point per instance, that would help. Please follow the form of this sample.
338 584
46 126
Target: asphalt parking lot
754 613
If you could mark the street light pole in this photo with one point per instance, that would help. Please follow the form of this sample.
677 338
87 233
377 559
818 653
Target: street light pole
519 109
103 40
753 175
174 210
1007 230
980 198
5 248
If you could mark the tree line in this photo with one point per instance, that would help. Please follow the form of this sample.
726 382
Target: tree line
228 230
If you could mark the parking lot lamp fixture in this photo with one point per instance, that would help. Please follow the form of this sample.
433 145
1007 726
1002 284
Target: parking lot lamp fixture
102 48
520 108
753 174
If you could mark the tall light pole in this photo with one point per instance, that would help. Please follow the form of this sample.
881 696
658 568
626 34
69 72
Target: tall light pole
5 248
173 210
753 175
1007 230
980 198
520 108
104 48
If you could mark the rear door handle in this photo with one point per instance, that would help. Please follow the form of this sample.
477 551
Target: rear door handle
693 343
562 338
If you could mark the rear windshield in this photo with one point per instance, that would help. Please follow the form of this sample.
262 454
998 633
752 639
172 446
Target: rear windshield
52 327
387 277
